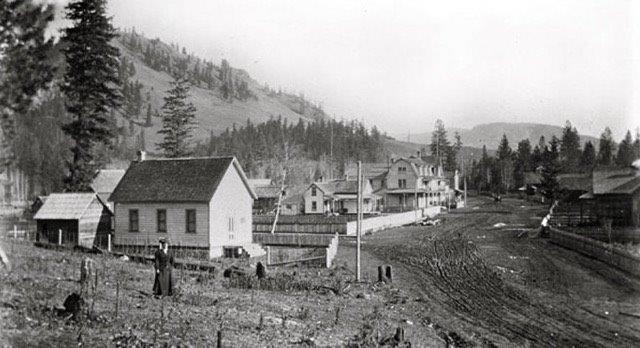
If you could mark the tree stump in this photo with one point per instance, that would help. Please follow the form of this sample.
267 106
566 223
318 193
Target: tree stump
381 277
389 273
399 336
87 270
73 305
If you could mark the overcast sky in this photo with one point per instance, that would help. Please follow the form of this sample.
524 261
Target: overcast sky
402 64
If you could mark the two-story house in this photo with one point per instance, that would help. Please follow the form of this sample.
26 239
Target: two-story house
416 182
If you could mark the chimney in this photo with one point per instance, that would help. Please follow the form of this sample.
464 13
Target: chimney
142 155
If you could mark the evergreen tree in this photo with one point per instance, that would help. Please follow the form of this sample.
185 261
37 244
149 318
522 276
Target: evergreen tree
226 77
636 146
25 67
625 154
90 87
439 142
550 170
504 170
522 162
607 148
588 158
504 150
178 121
570 149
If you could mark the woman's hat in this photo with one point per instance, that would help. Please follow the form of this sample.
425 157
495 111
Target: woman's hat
163 241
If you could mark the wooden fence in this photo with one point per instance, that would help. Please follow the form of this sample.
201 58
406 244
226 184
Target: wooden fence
342 225
597 250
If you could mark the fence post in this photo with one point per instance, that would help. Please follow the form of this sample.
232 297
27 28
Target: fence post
109 242
15 231
60 237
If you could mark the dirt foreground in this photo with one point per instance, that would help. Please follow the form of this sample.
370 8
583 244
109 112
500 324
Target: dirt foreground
484 282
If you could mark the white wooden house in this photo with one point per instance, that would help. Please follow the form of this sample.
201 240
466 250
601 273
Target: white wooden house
338 196
199 204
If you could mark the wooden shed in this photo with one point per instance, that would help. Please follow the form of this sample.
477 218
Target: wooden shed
76 218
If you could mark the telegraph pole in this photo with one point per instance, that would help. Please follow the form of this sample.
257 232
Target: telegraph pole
359 221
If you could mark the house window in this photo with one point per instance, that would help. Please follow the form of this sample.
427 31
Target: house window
161 220
133 220
313 192
314 206
288 206
402 183
402 169
191 220
231 226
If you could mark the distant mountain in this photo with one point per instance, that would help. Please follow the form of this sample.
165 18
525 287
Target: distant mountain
489 134
397 148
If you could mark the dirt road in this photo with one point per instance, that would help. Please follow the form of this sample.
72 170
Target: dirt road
488 284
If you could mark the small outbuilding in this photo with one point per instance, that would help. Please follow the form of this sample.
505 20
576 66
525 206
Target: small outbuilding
74 219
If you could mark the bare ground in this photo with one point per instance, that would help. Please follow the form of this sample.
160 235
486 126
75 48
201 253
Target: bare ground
483 285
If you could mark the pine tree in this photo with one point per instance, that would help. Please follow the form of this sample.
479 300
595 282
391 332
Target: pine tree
25 68
570 149
90 87
439 142
588 158
178 120
625 154
522 162
636 146
504 168
607 148
550 170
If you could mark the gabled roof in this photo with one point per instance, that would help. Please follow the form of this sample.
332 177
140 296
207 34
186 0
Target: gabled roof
259 182
65 206
175 180
106 180
575 181
338 186
267 191
618 181
294 194
370 170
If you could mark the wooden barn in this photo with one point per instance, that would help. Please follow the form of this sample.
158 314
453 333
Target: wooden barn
200 204
616 196
79 219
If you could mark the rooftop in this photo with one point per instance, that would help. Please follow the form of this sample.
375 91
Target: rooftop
174 180
65 206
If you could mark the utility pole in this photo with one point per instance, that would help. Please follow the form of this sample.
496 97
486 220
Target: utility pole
359 222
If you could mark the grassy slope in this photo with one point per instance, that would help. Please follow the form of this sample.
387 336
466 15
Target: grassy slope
213 113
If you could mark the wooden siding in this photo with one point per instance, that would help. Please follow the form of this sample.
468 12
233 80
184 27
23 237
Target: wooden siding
148 230
318 198
233 201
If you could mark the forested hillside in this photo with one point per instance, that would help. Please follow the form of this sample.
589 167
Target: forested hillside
223 95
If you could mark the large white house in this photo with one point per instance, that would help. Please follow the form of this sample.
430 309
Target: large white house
199 204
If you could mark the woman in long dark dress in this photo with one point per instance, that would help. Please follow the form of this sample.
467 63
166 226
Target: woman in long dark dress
163 283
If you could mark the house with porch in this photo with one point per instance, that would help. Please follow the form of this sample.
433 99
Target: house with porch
416 182
338 197
199 204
